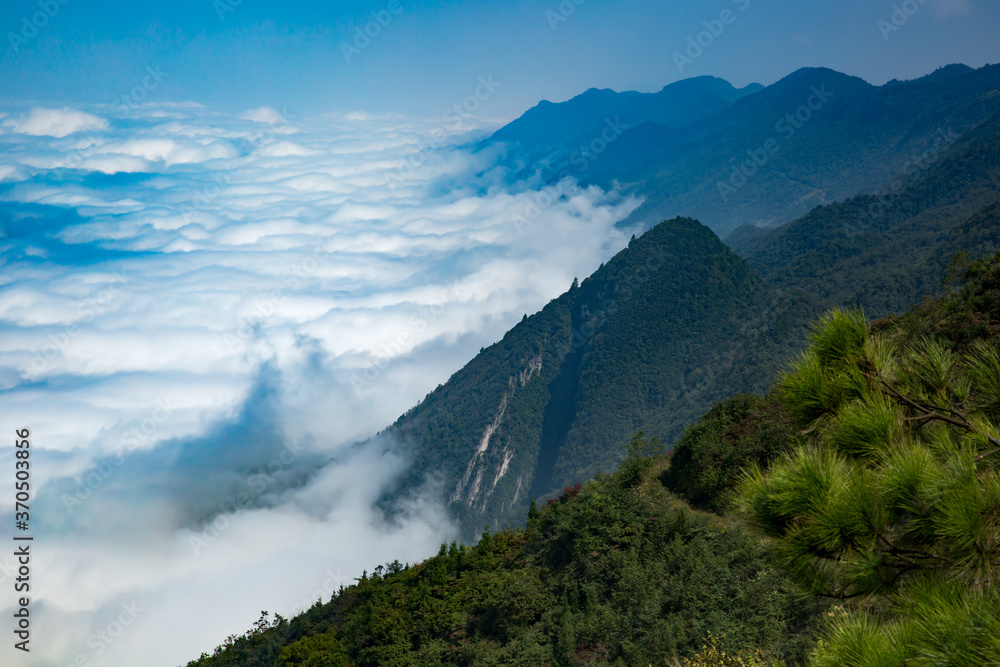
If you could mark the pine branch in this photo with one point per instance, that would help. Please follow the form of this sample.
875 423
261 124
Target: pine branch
929 412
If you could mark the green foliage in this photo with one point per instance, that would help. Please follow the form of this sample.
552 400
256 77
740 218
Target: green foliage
314 651
639 458
968 314
664 335
707 462
713 654
894 500
617 571
816 387
260 645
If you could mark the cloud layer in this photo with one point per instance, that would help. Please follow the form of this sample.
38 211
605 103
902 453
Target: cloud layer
55 122
201 313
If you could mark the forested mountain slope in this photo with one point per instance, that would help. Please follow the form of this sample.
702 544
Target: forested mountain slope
885 251
671 324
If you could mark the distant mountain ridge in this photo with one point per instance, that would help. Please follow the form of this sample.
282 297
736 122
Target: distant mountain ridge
758 155
549 124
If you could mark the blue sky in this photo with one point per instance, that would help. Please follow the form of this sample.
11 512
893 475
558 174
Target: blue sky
289 54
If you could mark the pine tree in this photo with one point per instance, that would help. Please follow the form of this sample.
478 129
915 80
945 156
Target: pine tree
893 502
532 511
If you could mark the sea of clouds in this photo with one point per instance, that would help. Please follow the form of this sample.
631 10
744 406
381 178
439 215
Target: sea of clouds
201 313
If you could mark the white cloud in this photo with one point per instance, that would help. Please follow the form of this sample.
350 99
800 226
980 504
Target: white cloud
113 164
205 252
285 149
56 122
172 152
264 115
9 172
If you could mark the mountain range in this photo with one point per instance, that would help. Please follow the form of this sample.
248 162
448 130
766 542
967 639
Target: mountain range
877 202
678 320
753 156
